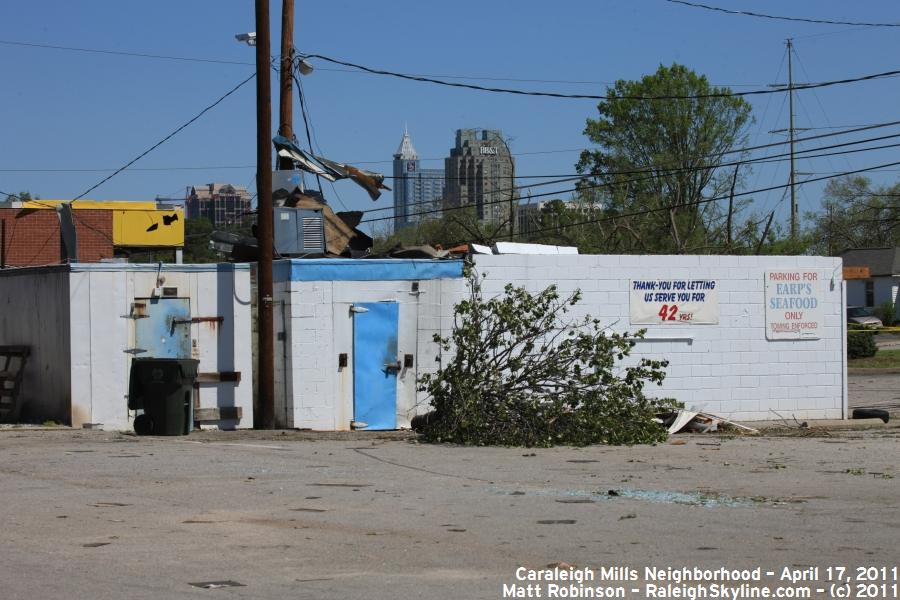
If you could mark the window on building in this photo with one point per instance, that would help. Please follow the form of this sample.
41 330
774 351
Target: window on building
870 292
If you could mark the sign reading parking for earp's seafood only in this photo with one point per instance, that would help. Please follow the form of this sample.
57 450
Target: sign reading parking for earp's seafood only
674 301
793 305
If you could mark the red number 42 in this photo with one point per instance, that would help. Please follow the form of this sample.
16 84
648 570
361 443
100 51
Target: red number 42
668 312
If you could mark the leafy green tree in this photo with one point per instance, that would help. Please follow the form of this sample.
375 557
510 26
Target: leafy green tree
855 214
520 373
197 233
661 155
453 227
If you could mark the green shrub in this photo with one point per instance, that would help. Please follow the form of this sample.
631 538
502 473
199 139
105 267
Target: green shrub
887 312
523 375
861 343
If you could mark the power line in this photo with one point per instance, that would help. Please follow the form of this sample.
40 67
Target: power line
123 53
561 95
707 200
854 129
657 172
165 139
748 13
518 79
209 168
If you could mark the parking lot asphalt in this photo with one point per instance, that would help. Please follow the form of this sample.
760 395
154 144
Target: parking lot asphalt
89 514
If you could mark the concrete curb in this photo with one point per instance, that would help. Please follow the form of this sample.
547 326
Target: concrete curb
825 424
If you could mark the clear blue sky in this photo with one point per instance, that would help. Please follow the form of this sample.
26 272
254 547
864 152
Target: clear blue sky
73 110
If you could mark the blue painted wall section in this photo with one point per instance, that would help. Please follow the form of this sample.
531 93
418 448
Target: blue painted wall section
374 349
166 332
348 269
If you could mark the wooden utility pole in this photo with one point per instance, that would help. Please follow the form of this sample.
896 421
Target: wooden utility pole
285 107
730 222
790 46
265 417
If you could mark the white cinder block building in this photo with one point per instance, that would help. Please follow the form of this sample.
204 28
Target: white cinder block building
353 335
84 322
746 337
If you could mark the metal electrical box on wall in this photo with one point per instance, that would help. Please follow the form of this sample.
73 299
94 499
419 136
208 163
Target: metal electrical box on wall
299 231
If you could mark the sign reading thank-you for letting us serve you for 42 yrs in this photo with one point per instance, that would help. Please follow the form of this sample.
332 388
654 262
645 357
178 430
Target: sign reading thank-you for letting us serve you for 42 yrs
674 301
793 305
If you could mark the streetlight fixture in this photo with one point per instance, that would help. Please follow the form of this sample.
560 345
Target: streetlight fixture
247 38
304 67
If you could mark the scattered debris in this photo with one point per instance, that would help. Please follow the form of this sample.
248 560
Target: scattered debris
520 248
95 544
628 516
108 504
373 183
214 585
699 422
856 471
556 522
343 485
313 510
583 500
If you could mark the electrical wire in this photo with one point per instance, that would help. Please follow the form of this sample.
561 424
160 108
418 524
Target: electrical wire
854 129
704 201
122 53
165 139
748 13
163 169
560 95
657 172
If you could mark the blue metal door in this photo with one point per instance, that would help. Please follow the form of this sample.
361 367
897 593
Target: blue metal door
166 330
375 365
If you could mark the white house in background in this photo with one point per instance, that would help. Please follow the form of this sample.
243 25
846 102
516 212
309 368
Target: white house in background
884 276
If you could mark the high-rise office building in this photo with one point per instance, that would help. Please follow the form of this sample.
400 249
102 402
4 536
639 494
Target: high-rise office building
480 173
416 190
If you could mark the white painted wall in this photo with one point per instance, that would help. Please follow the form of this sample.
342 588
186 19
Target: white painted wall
75 321
34 312
313 392
729 369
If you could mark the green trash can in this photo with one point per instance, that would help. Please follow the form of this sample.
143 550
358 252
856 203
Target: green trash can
163 389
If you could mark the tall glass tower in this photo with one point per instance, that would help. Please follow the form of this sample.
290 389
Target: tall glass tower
417 191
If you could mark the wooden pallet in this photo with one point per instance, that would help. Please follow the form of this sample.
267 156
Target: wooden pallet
12 368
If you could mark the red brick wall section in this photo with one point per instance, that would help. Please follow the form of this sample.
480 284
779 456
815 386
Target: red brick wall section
33 237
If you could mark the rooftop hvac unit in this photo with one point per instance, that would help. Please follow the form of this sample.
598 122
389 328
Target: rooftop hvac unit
299 231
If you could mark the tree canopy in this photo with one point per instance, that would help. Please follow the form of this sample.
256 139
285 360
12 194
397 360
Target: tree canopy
855 214
662 156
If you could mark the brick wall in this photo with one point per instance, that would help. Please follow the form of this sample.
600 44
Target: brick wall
33 236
